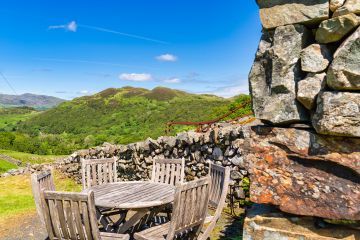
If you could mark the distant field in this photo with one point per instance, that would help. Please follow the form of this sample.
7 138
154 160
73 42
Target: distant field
30 158
10 117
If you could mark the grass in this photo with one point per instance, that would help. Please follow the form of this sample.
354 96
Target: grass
11 116
6 166
16 195
30 158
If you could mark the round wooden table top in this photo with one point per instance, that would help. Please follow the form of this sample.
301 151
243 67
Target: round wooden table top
133 195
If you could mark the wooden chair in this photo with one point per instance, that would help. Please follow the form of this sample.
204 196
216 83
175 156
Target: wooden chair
169 171
189 213
97 172
220 179
72 216
43 180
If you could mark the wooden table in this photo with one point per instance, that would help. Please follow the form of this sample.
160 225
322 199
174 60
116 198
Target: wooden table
140 197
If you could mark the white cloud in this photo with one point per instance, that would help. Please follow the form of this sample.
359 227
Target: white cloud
136 77
167 58
83 92
173 80
71 26
230 91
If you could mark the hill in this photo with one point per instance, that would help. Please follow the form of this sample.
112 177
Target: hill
119 116
29 100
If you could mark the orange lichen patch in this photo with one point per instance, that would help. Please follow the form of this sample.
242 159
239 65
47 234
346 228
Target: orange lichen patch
265 198
269 158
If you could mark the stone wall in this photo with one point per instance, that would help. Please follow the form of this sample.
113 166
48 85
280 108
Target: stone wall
307 67
220 145
306 79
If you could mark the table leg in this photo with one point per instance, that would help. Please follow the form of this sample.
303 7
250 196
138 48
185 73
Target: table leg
103 221
133 220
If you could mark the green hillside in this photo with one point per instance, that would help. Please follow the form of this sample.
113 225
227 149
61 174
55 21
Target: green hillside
10 117
115 115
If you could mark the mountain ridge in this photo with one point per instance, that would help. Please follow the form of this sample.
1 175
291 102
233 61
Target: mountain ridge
29 100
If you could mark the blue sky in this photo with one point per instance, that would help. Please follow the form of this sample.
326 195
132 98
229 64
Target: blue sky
72 48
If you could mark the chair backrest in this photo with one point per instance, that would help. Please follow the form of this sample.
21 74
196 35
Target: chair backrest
169 171
220 179
42 180
190 207
98 171
70 215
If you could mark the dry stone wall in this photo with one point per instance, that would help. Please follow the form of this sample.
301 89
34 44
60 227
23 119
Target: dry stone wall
220 145
307 67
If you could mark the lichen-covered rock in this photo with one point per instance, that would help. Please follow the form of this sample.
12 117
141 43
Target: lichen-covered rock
335 4
277 13
288 43
337 28
275 73
315 58
304 173
344 71
309 88
351 6
338 113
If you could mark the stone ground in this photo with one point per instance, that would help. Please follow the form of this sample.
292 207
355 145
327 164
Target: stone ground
28 227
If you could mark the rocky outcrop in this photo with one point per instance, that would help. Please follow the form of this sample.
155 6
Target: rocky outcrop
315 58
344 72
338 113
304 173
275 73
335 29
309 88
277 13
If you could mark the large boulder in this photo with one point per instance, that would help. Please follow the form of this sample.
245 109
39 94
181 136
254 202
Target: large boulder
337 28
344 72
338 113
304 173
351 6
315 58
309 88
275 73
277 13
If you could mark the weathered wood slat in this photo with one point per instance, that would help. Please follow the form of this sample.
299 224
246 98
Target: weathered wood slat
43 180
220 178
132 195
169 171
72 216
189 213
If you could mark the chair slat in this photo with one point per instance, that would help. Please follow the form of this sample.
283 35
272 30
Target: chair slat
169 171
76 210
70 219
71 216
42 180
220 178
98 171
